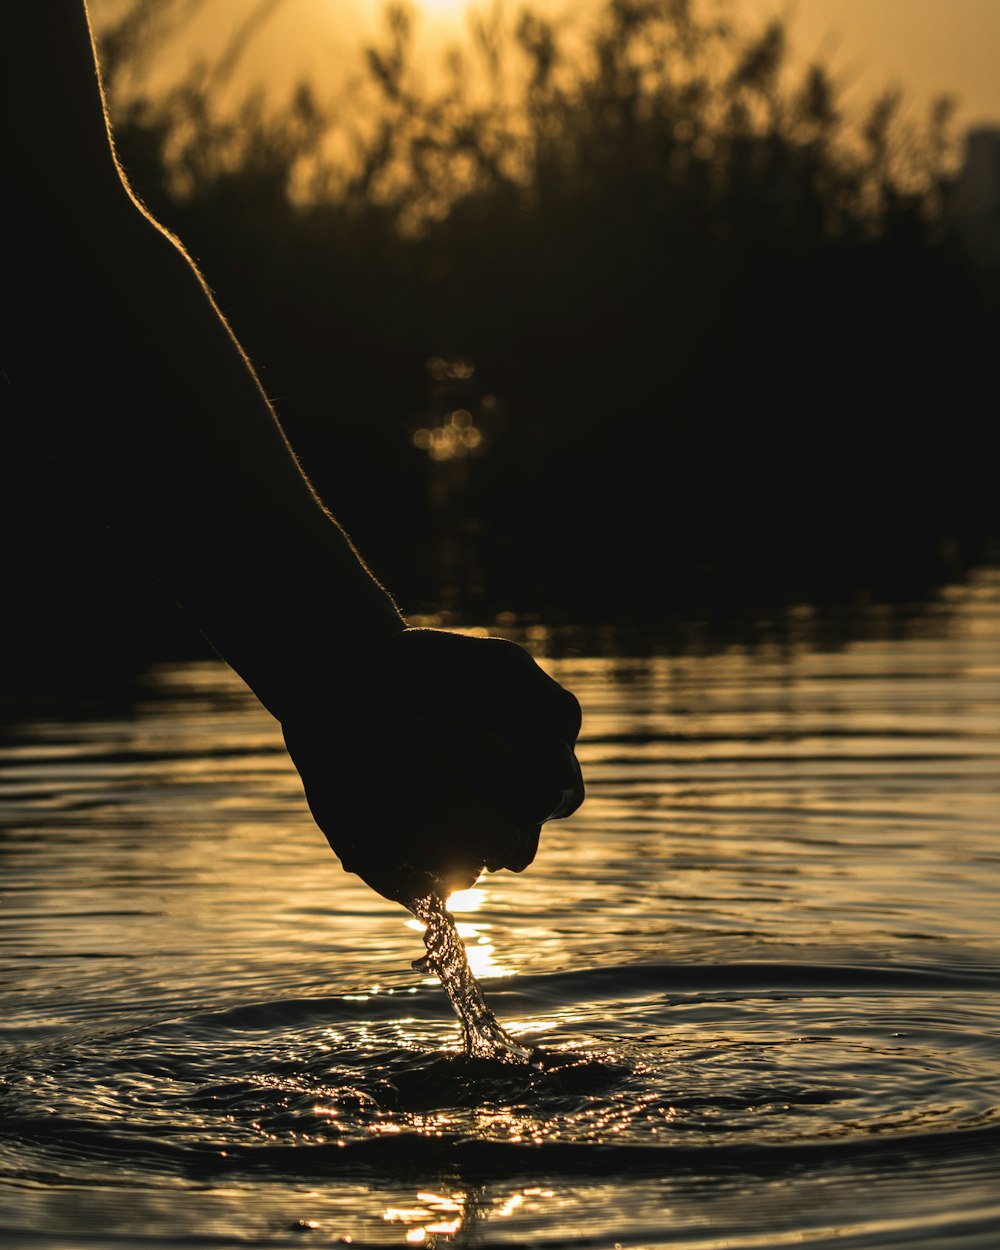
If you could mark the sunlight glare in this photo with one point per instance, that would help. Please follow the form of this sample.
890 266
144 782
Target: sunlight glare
482 961
466 900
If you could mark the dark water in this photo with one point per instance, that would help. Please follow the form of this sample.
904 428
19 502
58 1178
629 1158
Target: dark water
761 965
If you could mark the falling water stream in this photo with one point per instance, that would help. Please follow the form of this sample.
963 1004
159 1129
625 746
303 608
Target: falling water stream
483 1036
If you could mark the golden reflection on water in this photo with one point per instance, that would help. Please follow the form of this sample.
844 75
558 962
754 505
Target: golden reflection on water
439 1215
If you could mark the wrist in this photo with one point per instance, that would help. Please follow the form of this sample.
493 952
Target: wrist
293 627
315 655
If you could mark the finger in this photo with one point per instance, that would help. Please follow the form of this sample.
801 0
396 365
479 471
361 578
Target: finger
525 779
446 825
519 852
565 710
467 770
553 707
571 795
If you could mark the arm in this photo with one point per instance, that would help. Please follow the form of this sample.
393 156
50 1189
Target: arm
134 379
425 755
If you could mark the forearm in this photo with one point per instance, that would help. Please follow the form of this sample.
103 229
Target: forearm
150 402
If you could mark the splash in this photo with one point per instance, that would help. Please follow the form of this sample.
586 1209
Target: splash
482 1034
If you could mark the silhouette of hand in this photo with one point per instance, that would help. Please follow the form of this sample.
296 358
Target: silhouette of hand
443 754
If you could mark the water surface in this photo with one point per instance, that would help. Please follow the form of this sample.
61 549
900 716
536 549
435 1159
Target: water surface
762 965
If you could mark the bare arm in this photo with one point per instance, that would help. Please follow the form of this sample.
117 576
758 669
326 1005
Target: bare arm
425 755
131 375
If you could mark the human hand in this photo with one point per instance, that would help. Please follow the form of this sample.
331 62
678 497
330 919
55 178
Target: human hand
438 755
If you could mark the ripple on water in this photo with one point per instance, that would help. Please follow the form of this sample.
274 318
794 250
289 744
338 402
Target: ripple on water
753 1068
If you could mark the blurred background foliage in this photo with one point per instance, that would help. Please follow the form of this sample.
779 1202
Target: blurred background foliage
594 322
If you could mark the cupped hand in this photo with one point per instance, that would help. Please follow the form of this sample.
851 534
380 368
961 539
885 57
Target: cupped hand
436 755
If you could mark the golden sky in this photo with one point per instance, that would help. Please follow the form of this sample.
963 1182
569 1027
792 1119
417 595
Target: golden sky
929 47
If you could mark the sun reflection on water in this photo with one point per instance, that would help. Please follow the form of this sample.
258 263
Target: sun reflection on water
446 1215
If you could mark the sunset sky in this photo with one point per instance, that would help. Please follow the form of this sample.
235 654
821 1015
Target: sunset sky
929 47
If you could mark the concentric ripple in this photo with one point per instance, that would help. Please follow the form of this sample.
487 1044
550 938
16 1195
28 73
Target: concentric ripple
746 1061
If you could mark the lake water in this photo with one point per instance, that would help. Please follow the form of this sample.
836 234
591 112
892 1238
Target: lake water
762 965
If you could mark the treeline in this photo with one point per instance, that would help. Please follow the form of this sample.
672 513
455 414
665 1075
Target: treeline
598 322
